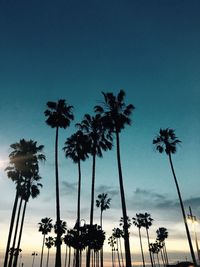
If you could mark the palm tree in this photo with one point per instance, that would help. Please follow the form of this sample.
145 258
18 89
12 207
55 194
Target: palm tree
23 169
59 115
166 141
116 115
23 159
45 227
34 254
112 243
146 222
49 242
137 221
76 148
103 202
162 234
99 139
31 189
118 234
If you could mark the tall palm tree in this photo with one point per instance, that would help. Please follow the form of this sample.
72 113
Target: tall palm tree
166 141
116 115
49 242
137 221
23 159
31 189
76 147
23 168
45 227
162 234
59 115
99 140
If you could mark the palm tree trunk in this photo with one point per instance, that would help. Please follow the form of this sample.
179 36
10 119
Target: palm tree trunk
101 223
78 209
120 246
41 258
142 252
20 236
123 202
92 205
118 256
158 260
149 247
47 258
58 245
165 254
15 235
69 260
162 257
183 212
11 228
65 257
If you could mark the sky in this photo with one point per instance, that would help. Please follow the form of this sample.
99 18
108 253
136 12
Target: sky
75 50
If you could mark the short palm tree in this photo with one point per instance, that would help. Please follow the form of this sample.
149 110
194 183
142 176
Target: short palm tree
103 202
118 234
45 227
99 140
116 115
49 242
146 222
137 221
59 115
166 141
162 234
112 243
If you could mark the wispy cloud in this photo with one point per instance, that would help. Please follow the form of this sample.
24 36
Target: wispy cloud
69 188
112 191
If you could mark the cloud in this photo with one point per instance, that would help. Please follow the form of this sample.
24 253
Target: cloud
107 189
69 188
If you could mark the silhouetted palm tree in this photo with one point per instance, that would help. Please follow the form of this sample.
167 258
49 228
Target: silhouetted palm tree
99 139
59 115
76 147
45 227
49 242
118 234
166 141
24 170
112 243
116 115
34 254
31 189
103 202
162 234
146 222
137 221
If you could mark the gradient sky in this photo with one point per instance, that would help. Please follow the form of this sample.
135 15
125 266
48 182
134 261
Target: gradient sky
75 49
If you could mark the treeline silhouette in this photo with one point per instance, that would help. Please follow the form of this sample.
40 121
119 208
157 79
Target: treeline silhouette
95 135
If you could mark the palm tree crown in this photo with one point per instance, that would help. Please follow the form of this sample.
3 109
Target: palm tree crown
166 141
77 147
103 201
98 138
59 114
115 112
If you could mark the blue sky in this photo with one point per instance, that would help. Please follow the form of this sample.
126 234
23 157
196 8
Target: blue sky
76 49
